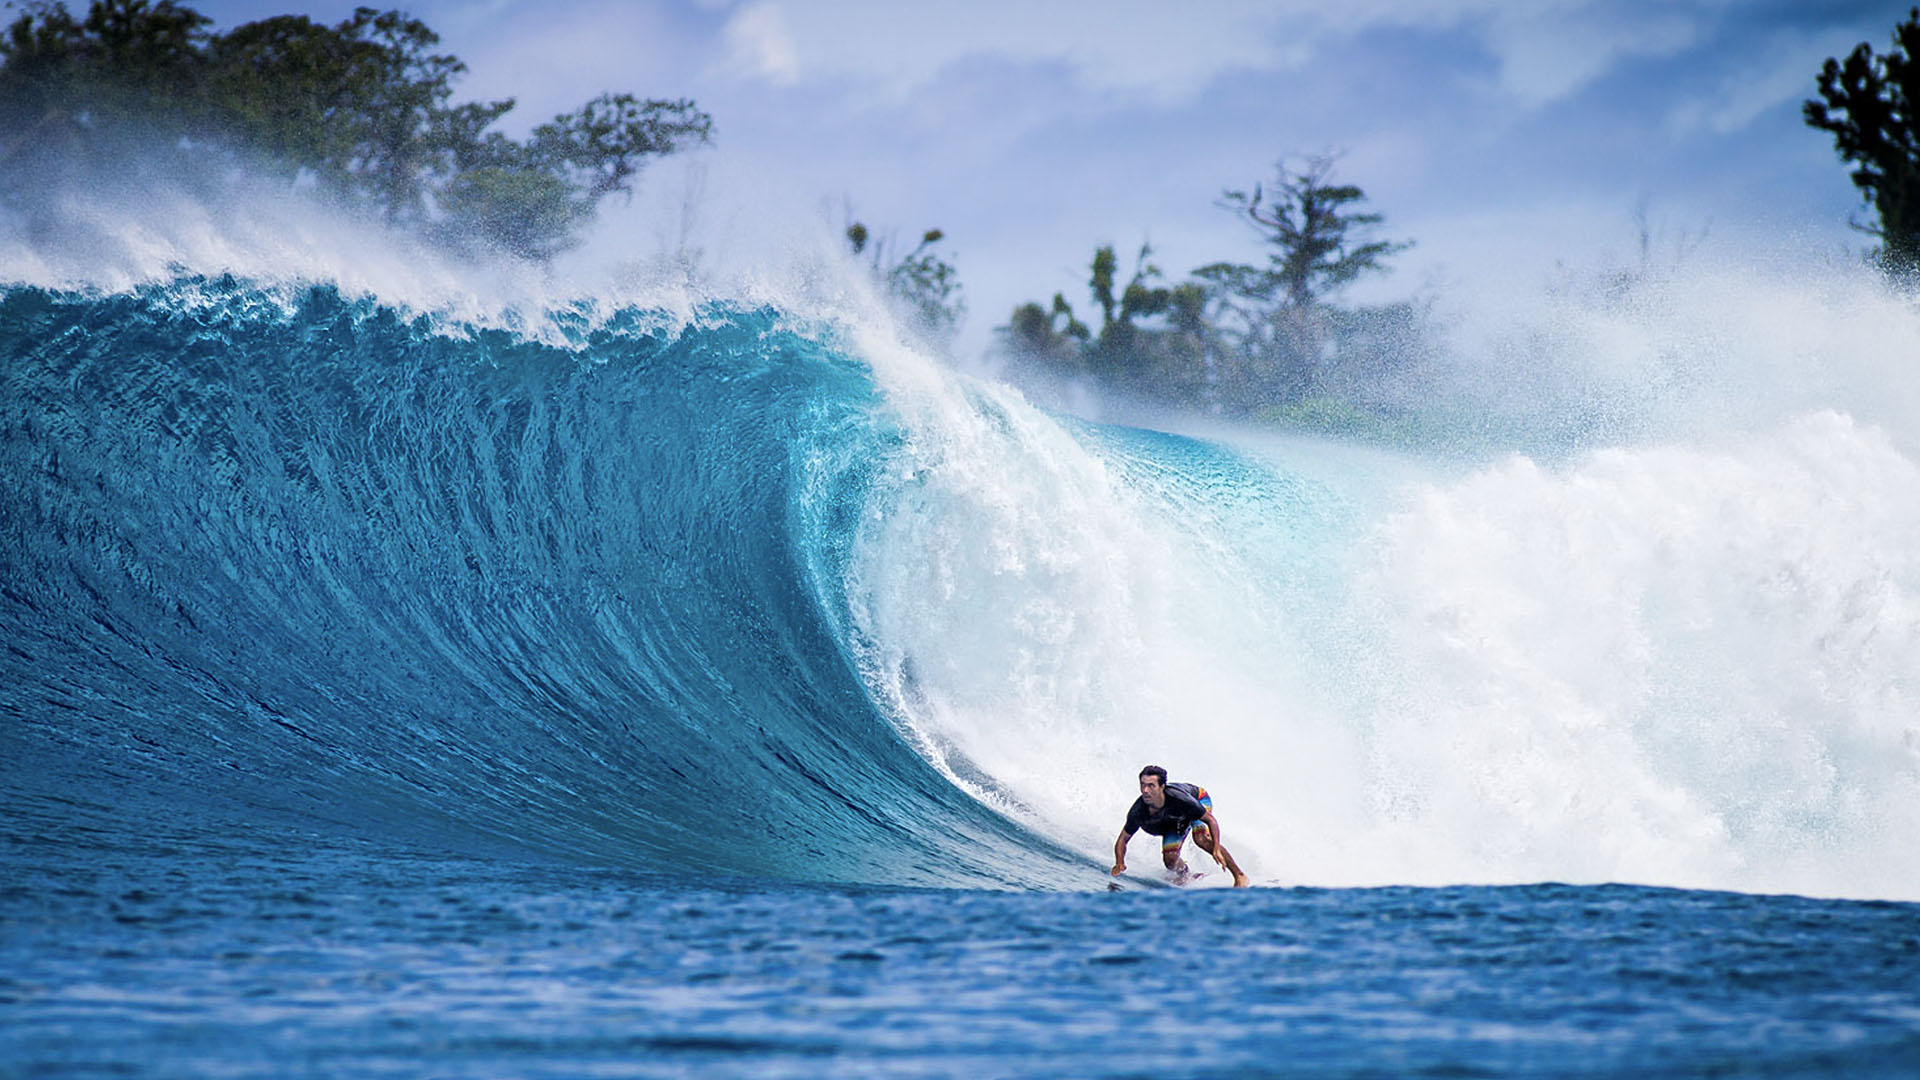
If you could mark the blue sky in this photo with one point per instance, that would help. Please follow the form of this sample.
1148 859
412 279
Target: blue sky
1504 137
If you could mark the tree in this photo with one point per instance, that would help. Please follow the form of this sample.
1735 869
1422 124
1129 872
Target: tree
1140 355
72 89
1276 313
1247 340
127 58
1036 334
364 108
364 105
1317 242
1868 104
532 198
922 282
1153 338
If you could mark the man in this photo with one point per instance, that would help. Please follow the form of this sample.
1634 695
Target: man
1171 811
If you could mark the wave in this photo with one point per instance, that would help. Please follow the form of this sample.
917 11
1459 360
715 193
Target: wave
445 579
727 589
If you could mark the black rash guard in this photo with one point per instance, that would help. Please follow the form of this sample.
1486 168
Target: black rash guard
1182 809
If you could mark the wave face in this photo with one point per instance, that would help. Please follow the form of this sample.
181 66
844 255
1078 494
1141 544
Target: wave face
750 594
317 555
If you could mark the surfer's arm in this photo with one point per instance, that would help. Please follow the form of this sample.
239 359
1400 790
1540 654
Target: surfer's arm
1120 851
1213 829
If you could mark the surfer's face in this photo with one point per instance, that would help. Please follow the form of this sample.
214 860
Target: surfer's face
1152 790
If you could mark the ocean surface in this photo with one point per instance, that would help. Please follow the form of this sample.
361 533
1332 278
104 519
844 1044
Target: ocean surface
636 689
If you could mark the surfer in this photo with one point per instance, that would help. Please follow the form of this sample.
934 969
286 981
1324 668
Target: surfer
1171 811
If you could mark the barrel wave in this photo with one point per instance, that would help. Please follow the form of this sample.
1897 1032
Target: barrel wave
759 589
293 553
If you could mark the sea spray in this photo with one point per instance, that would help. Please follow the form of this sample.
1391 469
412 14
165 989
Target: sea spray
1664 664
1673 644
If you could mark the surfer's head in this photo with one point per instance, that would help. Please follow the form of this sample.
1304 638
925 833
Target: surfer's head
1153 785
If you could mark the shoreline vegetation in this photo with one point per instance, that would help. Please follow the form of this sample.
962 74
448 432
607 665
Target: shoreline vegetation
363 111
1265 341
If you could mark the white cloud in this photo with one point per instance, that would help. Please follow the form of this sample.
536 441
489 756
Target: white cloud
1550 55
759 44
1146 48
1167 53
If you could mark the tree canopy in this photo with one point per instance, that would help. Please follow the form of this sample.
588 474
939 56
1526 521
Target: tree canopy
1316 241
923 284
1236 338
1867 102
364 107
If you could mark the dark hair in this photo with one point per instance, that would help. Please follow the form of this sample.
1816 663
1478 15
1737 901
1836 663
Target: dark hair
1155 770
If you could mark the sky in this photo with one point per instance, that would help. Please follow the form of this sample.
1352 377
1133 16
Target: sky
1506 138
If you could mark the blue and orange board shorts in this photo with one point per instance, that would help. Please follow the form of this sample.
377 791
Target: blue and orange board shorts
1172 841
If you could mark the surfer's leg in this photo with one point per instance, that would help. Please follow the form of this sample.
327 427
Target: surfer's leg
1225 858
1203 839
1170 852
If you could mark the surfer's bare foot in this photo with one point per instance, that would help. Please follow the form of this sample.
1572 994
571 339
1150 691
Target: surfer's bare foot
1240 881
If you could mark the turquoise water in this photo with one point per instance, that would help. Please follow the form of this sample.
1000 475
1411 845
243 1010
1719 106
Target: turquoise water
730 693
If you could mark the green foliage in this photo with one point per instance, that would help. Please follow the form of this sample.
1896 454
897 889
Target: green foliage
1868 104
1279 329
363 105
598 147
922 283
1323 412
930 288
1153 338
1039 335
62 80
533 198
528 212
1316 241
1250 340
363 108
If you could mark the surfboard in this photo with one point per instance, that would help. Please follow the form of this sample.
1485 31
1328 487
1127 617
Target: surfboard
1152 880
1130 880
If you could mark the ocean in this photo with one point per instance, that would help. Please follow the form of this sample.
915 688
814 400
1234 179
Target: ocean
730 689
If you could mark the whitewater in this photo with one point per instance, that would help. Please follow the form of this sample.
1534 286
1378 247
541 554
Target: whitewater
474 623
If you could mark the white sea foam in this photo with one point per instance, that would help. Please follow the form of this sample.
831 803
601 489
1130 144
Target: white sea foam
1670 664
1679 650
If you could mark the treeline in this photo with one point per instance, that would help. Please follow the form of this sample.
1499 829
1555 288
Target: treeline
1272 340
1871 105
362 109
365 111
1267 339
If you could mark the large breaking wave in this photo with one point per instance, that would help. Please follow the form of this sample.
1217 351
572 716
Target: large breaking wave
729 589
383 570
